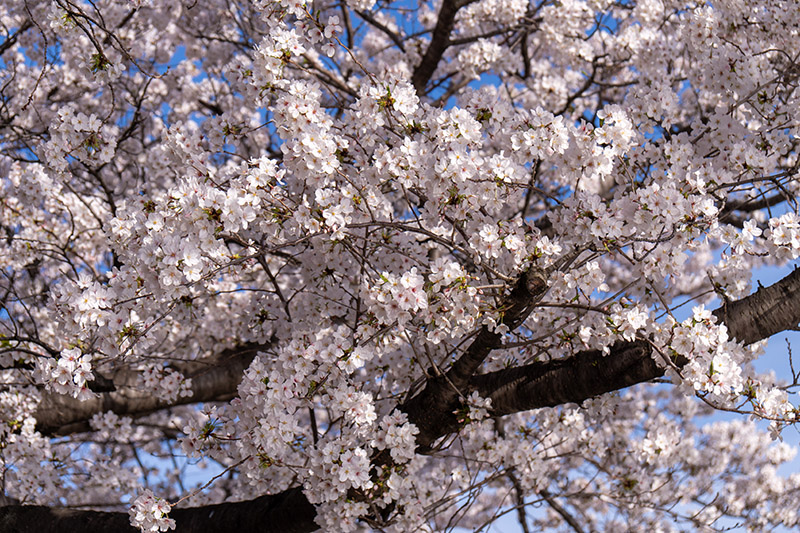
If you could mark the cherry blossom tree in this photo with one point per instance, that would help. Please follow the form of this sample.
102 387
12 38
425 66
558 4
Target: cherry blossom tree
396 265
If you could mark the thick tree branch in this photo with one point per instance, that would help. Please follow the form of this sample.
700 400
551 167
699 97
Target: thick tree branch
764 313
286 512
441 395
590 373
526 293
439 43
572 380
58 414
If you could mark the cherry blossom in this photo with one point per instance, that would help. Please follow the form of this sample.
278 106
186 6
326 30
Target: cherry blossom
399 266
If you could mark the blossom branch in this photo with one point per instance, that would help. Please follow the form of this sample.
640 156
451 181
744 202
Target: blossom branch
572 380
286 512
432 409
440 41
590 373
59 414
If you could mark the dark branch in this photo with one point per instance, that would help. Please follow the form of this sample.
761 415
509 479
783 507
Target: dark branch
440 41
432 409
764 313
590 373
568 518
572 380
526 293
62 415
12 40
287 512
751 204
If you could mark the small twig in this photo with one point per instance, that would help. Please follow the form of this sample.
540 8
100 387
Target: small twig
210 481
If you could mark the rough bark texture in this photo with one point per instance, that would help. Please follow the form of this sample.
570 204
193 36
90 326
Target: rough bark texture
758 316
287 512
764 313
575 379
58 414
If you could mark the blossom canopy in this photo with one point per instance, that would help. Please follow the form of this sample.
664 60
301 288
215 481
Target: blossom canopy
360 265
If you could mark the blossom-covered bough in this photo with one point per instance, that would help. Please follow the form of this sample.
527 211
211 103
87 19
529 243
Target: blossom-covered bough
397 266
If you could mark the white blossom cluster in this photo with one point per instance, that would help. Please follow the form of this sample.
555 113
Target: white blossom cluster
81 136
149 513
166 383
69 373
263 233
